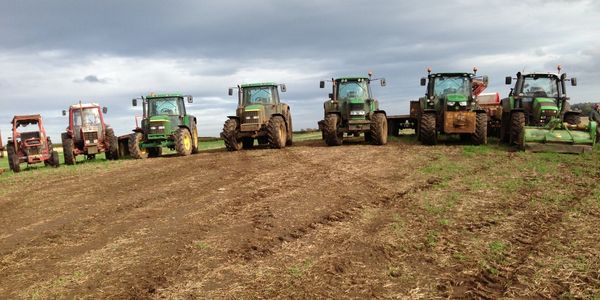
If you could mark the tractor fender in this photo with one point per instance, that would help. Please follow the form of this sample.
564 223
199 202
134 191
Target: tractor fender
138 130
233 117
283 116
380 111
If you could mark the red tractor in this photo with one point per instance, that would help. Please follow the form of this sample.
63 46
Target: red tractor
32 146
87 134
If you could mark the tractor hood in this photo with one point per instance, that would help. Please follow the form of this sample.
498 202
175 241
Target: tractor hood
546 103
156 119
456 98
253 107
356 101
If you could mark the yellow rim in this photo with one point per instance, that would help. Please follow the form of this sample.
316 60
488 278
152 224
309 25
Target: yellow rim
187 142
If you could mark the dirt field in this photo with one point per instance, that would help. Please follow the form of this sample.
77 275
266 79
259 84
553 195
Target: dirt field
307 222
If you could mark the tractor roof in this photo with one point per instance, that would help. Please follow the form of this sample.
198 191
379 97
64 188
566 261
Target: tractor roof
163 95
84 105
351 78
452 74
534 74
27 119
258 84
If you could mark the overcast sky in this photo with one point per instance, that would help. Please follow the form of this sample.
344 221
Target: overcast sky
55 53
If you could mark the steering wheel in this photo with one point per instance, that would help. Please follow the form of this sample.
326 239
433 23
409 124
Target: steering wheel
166 111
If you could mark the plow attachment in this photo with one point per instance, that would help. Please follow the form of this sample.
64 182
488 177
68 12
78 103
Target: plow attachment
559 137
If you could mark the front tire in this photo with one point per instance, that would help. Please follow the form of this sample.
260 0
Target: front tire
67 143
379 129
517 126
195 146
54 160
330 126
290 132
134 146
427 129
276 132
13 159
229 135
480 135
113 144
183 142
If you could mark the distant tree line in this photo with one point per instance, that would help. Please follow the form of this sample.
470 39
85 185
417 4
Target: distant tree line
585 108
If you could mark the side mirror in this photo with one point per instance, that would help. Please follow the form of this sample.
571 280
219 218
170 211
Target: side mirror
64 112
283 88
134 102
383 82
322 84
574 81
230 92
423 81
190 99
508 80
331 96
104 110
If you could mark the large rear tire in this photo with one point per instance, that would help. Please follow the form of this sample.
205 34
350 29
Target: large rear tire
379 129
517 127
183 142
112 152
480 135
13 159
54 160
290 131
572 118
229 135
68 146
276 132
427 129
134 146
195 146
330 129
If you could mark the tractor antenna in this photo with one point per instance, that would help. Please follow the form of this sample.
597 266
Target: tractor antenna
559 67
475 70
428 70
370 74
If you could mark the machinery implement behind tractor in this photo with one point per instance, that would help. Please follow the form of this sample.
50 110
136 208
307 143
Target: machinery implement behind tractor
260 115
30 147
352 110
490 102
87 134
165 123
449 107
536 115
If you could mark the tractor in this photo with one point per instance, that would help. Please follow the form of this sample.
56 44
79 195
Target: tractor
165 123
2 149
87 134
30 147
537 116
450 107
260 115
351 109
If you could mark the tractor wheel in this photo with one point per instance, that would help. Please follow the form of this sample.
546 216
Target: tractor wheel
480 135
572 118
13 159
262 140
276 132
517 124
134 146
330 126
183 142
290 132
54 160
505 128
229 135
155 152
427 129
379 129
67 143
112 152
195 146
247 143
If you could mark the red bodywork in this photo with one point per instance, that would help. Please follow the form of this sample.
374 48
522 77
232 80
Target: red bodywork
83 145
490 102
30 146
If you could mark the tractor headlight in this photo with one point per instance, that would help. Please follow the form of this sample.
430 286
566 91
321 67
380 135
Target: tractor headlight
95 141
152 127
357 113
463 103
160 127
451 103
255 117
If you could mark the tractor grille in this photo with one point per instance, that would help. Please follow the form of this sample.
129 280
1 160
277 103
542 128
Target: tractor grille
357 106
250 117
91 136
33 151
156 130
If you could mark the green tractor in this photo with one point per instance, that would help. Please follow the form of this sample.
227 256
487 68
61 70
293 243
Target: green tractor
352 110
537 116
450 107
165 123
259 115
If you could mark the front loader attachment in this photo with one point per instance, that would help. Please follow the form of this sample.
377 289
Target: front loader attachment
560 137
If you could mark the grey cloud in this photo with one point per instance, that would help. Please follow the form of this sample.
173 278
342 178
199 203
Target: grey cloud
91 79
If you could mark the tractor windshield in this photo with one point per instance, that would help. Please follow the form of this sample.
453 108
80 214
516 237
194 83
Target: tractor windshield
535 87
353 90
91 116
171 106
259 95
452 85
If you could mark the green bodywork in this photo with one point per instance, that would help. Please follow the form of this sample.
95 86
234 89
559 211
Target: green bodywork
353 101
545 112
159 127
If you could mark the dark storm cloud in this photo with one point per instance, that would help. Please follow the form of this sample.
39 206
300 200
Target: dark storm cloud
203 47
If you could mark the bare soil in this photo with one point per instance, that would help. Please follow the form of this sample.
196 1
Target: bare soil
307 222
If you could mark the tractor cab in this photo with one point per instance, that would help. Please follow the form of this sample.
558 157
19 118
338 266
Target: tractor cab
451 91
163 114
